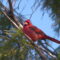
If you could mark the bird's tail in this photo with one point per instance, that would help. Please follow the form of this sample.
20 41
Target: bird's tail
53 39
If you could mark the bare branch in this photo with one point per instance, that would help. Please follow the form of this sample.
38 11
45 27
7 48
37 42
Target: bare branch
12 14
50 52
2 6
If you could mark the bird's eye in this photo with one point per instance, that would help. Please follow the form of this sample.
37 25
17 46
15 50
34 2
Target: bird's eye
28 23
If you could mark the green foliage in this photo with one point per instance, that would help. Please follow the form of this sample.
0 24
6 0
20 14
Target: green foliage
13 45
59 56
4 22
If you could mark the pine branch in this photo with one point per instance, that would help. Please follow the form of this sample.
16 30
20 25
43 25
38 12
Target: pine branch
12 13
10 20
49 52
38 49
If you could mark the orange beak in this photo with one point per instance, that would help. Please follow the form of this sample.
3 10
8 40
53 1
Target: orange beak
25 23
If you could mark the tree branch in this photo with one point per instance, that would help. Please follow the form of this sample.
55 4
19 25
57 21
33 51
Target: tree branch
37 48
12 14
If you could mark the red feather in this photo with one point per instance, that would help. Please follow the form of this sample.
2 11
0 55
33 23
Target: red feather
35 33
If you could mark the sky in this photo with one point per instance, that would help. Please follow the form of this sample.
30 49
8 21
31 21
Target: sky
42 22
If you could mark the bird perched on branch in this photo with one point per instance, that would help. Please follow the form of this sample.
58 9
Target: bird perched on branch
35 33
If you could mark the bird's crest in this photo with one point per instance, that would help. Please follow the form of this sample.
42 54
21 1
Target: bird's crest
28 21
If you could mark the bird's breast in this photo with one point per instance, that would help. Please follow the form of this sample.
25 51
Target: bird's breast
30 33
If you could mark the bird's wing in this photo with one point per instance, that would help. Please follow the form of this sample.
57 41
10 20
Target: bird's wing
36 30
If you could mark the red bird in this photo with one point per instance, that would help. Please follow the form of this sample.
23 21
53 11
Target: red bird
35 33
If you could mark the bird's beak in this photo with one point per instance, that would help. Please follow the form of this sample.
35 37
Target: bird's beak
25 23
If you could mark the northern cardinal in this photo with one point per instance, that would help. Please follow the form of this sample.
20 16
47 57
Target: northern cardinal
35 33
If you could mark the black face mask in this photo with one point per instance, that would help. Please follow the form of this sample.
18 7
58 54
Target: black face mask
25 25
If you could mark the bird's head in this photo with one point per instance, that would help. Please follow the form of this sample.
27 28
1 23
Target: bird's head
27 22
